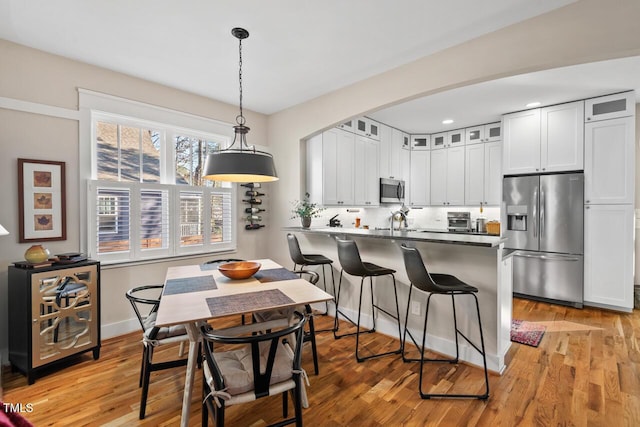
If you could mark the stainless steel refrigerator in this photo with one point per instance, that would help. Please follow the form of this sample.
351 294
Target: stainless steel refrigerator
543 217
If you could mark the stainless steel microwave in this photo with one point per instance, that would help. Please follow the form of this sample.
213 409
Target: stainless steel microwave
391 190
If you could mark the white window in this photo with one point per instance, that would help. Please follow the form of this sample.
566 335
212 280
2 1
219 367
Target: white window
146 196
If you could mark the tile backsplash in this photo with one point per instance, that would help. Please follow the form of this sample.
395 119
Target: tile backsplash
427 217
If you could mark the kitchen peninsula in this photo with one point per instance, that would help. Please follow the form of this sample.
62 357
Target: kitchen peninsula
475 259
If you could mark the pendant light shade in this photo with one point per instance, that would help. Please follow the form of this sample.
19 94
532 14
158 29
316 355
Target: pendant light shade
243 164
240 166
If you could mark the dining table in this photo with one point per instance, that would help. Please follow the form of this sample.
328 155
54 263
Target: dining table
195 294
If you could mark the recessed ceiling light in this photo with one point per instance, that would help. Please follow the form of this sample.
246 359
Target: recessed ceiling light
447 121
532 104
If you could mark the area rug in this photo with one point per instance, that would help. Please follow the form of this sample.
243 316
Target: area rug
527 333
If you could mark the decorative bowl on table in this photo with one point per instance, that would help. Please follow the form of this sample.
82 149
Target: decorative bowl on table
239 270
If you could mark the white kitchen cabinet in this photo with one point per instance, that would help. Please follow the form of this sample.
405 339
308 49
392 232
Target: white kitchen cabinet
493 173
483 133
366 177
610 107
405 159
549 139
493 132
330 168
419 182
455 138
562 137
364 126
395 155
406 141
438 140
521 151
447 176
474 174
483 174
608 256
609 172
384 152
346 125
420 142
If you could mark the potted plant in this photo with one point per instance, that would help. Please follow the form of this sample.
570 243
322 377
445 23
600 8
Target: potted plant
306 210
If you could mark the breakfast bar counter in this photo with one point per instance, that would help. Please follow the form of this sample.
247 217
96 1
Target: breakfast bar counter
476 259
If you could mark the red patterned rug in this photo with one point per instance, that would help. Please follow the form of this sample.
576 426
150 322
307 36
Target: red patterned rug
528 333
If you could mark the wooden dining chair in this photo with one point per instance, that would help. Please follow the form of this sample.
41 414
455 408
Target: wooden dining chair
257 366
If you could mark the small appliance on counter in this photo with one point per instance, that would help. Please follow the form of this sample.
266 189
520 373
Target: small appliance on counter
481 224
334 221
459 221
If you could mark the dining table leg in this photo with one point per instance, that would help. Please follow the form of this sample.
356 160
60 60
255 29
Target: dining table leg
192 361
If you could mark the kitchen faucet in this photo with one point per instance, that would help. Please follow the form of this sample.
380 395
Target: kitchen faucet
402 212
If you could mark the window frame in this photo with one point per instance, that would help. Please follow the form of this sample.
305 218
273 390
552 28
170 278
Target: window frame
96 107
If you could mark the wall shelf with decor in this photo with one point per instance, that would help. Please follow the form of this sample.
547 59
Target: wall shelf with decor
253 199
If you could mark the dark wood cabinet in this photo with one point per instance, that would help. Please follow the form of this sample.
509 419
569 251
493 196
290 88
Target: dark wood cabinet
54 315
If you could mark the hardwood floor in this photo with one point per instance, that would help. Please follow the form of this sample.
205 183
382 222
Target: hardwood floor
586 371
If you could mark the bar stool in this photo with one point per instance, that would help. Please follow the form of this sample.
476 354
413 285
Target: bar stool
439 284
352 264
303 260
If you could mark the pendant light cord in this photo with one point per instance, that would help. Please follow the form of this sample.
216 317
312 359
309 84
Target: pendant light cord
240 119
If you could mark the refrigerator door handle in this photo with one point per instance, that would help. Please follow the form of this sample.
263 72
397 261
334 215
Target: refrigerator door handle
535 212
542 206
546 257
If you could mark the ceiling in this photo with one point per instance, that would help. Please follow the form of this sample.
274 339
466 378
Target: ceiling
301 49
486 102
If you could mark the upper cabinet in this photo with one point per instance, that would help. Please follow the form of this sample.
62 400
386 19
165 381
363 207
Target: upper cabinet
330 168
483 133
438 140
546 139
420 142
366 127
347 125
609 173
366 178
483 174
447 176
562 137
610 107
451 138
419 182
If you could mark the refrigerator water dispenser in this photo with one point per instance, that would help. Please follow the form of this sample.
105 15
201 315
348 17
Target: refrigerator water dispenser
517 218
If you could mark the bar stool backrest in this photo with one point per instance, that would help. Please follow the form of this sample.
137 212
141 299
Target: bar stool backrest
416 270
349 257
294 250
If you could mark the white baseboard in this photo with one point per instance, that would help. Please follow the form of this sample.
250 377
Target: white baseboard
119 328
446 347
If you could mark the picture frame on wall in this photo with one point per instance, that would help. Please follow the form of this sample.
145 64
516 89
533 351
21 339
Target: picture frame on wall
41 200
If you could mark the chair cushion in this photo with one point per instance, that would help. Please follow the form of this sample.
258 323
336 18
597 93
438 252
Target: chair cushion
316 259
376 270
151 332
237 370
448 283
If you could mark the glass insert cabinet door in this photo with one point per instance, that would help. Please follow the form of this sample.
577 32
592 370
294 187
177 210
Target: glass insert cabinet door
64 313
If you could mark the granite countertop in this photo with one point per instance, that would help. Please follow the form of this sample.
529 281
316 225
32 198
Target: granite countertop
424 235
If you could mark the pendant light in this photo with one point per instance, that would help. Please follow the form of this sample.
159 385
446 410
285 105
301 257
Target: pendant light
243 164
